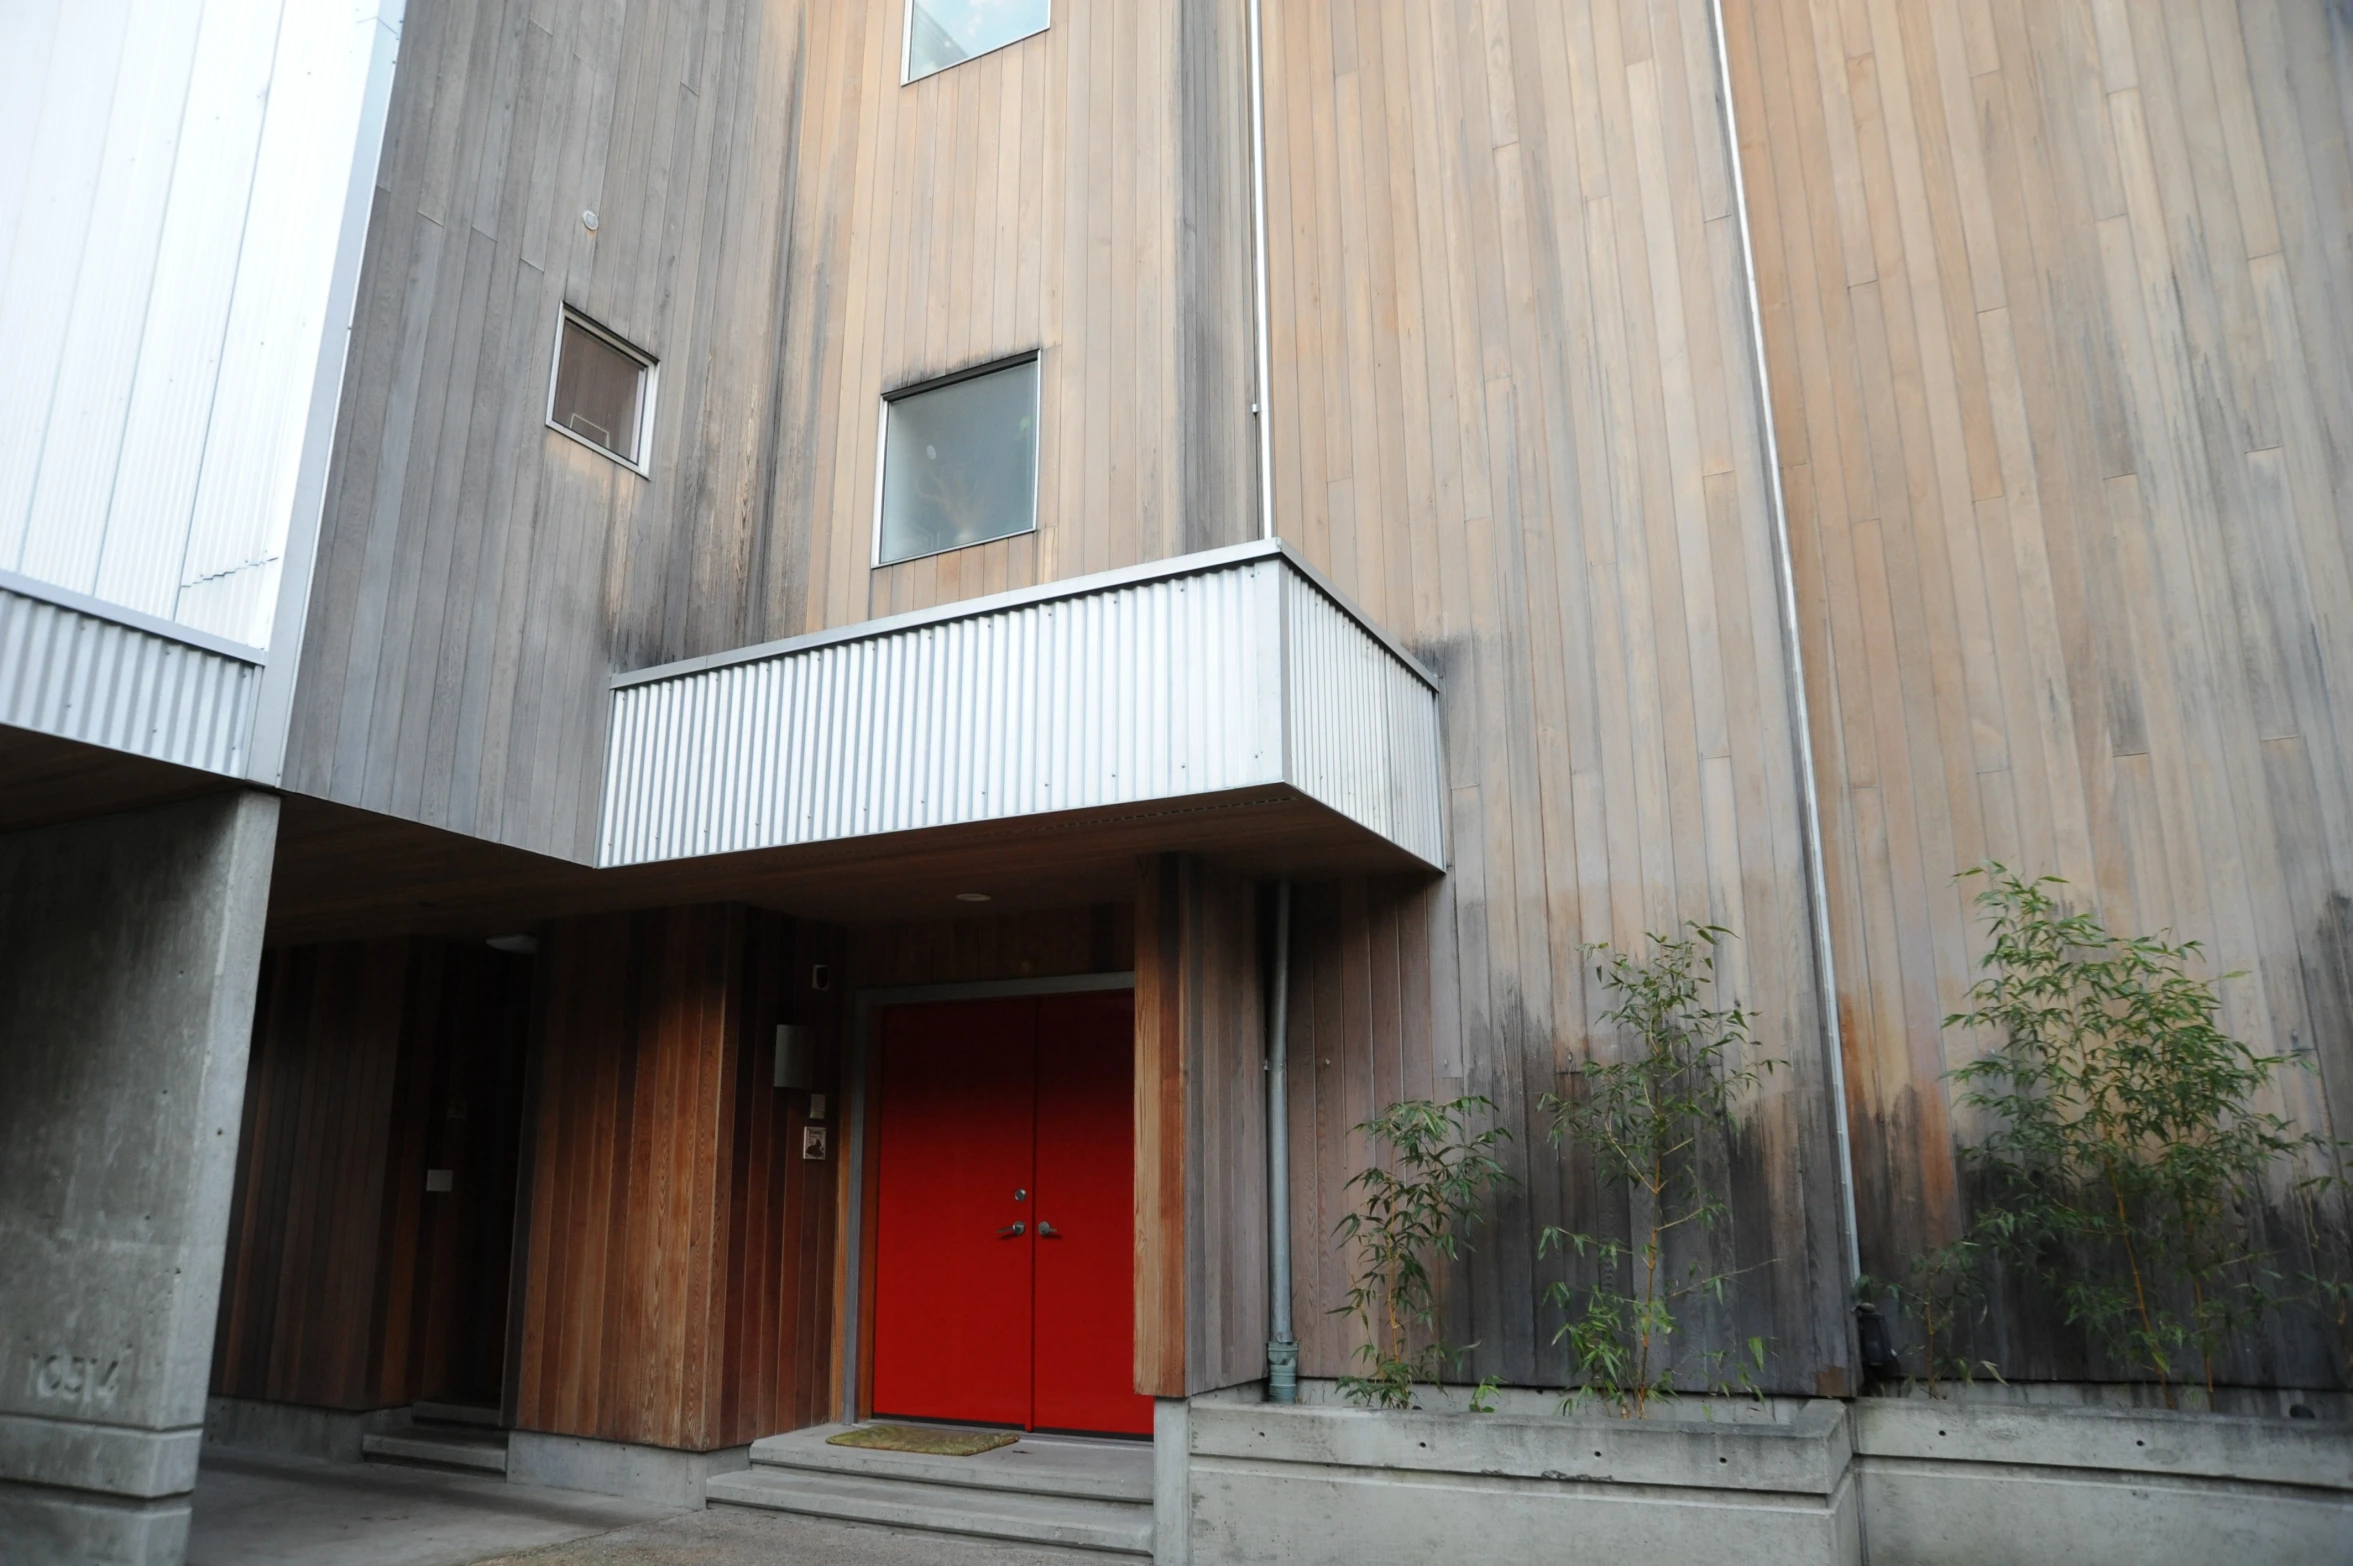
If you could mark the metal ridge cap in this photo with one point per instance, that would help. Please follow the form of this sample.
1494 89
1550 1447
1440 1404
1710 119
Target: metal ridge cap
131 619
1198 563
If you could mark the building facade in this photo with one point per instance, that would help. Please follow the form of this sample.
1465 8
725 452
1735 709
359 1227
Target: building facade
716 628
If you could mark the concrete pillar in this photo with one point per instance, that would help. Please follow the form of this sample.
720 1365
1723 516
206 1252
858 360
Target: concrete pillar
129 946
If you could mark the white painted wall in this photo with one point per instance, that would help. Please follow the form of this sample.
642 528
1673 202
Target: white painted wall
175 182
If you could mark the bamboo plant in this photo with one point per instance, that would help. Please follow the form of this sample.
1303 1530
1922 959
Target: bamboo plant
1650 1122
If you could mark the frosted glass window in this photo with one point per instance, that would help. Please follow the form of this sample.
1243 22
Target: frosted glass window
603 392
941 33
960 463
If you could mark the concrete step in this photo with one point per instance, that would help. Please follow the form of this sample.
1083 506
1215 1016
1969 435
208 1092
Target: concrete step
468 1448
1034 1465
1117 1527
454 1414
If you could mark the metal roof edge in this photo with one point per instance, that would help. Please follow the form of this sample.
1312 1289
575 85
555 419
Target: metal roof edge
1198 563
131 619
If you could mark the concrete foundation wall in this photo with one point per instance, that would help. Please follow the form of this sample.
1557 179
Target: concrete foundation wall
1883 1481
1947 1485
623 1468
1302 1486
129 946
293 1430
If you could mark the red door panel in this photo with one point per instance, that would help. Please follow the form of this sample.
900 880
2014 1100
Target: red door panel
952 1317
1086 1265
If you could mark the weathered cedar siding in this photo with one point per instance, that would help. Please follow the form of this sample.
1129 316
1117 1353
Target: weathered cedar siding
1514 417
313 1246
1201 1294
346 1286
479 576
2059 318
679 1291
791 233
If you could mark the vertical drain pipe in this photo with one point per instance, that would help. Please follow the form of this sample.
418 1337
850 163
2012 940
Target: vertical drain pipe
1282 1353
1802 735
1259 410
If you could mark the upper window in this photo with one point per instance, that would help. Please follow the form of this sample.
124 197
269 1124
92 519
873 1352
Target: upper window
941 33
959 463
603 392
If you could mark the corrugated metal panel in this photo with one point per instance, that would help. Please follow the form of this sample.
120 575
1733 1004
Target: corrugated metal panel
1363 727
1143 690
83 677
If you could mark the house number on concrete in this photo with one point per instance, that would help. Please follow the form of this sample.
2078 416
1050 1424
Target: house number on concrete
69 1378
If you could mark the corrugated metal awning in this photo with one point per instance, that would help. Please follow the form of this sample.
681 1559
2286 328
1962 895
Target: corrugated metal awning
1234 673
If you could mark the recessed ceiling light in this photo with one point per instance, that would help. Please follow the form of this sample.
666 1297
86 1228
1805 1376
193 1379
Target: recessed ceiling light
972 897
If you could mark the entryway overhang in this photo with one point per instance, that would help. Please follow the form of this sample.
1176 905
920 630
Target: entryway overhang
1140 704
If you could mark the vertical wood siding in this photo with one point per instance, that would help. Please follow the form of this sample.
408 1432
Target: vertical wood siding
1162 1232
314 1307
677 1288
2059 315
1039 944
344 1285
478 574
790 232
1079 193
1201 1293
1512 420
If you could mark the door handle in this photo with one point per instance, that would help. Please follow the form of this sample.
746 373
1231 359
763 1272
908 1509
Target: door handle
1047 1231
1012 1230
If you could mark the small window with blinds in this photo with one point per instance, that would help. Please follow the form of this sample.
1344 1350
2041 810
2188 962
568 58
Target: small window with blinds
941 33
602 394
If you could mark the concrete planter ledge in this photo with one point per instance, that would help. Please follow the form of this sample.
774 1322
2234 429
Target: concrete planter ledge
1304 1485
1945 1484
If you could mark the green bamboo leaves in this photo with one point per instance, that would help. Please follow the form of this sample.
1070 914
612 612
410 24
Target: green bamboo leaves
1410 1216
1650 1121
2123 1132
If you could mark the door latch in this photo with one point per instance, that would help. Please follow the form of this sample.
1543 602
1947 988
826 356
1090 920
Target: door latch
1011 1230
1047 1231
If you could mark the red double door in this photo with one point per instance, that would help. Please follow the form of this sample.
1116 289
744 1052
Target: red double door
1005 1228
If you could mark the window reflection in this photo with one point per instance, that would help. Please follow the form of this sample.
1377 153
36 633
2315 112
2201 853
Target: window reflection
960 463
941 33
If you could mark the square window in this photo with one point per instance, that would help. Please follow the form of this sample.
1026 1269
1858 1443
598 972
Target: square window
941 33
603 392
959 463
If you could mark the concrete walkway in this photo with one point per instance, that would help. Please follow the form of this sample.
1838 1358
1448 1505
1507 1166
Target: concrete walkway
255 1509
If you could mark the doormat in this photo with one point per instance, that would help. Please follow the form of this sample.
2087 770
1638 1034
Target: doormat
927 1439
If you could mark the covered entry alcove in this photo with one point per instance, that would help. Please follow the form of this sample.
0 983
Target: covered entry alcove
1120 765
1217 719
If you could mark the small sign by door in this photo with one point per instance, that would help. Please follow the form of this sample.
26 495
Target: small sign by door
813 1142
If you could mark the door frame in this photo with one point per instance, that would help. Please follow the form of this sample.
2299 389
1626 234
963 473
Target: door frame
854 1344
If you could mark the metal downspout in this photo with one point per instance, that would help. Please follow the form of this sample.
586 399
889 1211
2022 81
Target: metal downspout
1259 410
1801 738
1282 1353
